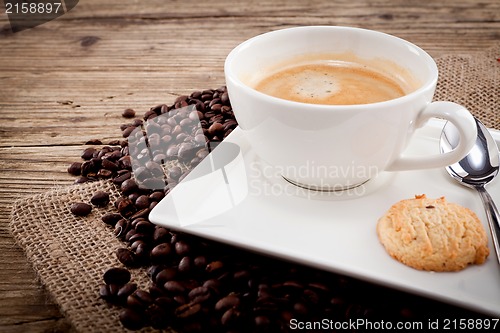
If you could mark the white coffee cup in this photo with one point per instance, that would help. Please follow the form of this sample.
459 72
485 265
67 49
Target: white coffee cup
332 147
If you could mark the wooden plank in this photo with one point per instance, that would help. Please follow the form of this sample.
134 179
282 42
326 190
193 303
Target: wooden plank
25 305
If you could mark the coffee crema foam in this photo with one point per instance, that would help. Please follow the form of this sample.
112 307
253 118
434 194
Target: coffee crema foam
331 82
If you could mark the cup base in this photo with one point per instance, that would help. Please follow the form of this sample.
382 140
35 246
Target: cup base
324 189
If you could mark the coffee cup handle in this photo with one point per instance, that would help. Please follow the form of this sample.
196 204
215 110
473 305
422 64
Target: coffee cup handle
466 126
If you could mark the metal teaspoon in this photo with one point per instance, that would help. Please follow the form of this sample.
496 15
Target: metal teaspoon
476 170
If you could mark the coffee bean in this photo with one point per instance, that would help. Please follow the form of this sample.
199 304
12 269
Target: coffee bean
263 291
156 196
89 168
94 142
141 173
133 196
229 125
155 169
337 302
175 172
186 151
172 152
214 266
95 164
81 180
231 318
129 186
167 303
188 310
181 299
185 122
88 153
181 100
214 285
142 202
160 235
227 302
195 115
166 130
164 275
118 180
105 292
200 262
182 248
153 184
311 296
206 96
199 294
241 277
320 287
127 131
141 249
216 107
80 209
117 275
75 168
161 252
125 162
139 299
176 130
144 226
126 290
115 155
111 218
160 158
133 236
128 113
196 95
174 287
127 257
121 228
158 316
109 165
103 173
202 153
100 199
185 264
126 207
291 286
132 319
151 114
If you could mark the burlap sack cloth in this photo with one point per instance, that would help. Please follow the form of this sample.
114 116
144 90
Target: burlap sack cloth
70 254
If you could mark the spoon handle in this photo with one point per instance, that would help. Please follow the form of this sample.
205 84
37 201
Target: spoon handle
493 218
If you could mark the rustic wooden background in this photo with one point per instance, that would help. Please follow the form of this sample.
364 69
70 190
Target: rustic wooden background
67 81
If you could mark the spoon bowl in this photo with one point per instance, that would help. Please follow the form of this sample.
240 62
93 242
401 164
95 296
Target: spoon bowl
476 170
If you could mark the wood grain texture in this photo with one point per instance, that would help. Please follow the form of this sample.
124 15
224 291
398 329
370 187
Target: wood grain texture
67 81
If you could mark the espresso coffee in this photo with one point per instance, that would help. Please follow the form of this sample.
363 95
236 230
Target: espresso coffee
333 82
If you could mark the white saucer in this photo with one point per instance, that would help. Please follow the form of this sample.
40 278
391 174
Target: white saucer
230 197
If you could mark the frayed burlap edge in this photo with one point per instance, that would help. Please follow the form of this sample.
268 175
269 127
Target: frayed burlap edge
70 254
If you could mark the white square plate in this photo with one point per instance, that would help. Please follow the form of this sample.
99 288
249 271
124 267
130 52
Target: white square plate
232 197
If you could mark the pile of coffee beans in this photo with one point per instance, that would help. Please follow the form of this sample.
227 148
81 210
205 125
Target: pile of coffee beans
199 285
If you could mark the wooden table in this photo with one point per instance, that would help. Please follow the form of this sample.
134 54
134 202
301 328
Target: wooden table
67 81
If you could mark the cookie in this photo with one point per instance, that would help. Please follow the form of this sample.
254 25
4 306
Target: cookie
433 234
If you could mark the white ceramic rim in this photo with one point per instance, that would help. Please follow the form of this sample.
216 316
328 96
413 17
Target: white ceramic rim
428 84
